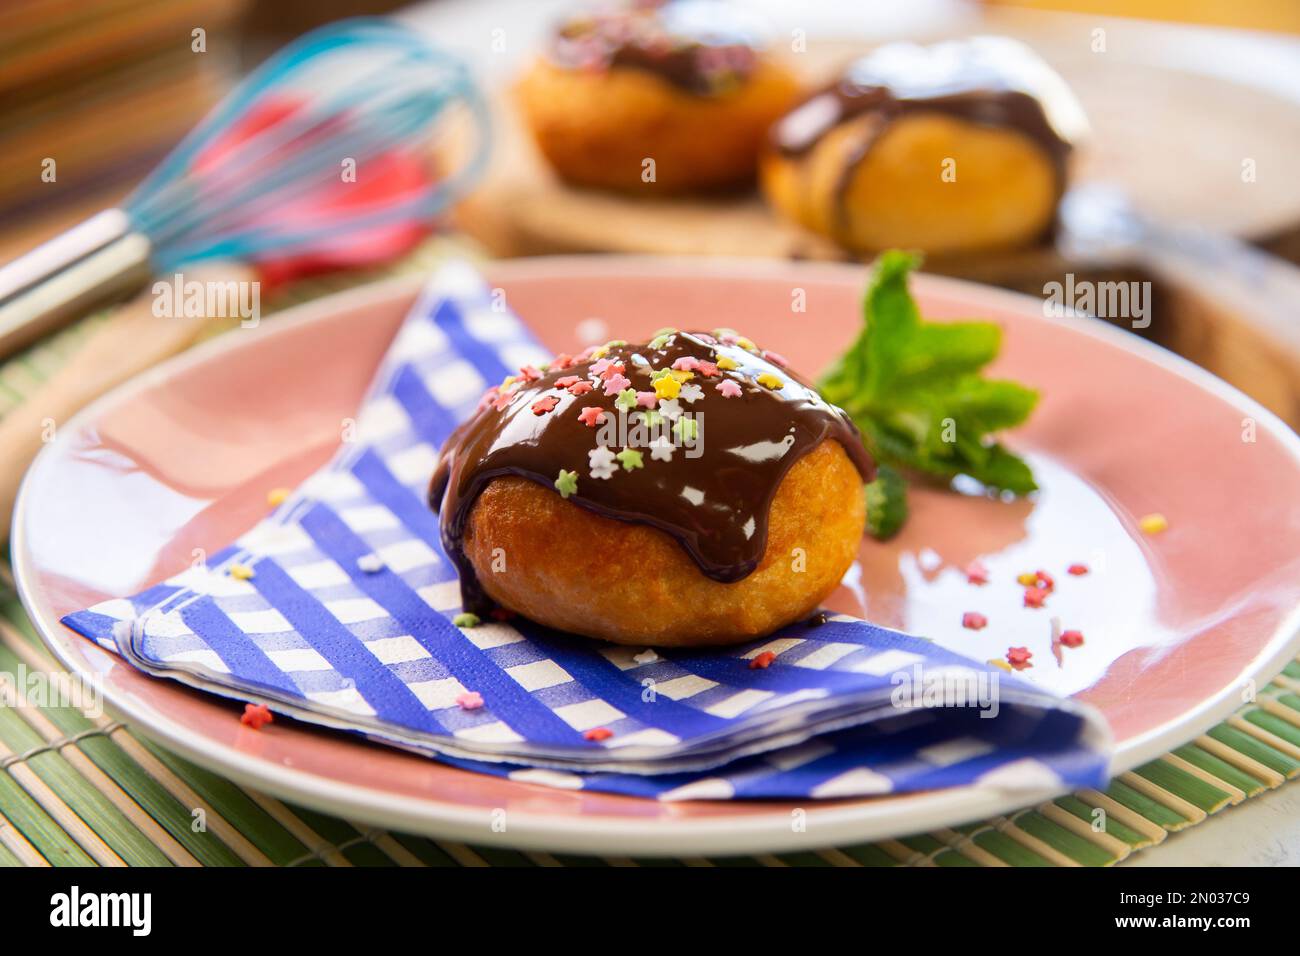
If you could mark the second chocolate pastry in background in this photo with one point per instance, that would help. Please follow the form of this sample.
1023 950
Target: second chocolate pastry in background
959 147
655 98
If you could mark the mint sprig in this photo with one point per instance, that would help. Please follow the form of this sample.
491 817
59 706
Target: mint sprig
916 392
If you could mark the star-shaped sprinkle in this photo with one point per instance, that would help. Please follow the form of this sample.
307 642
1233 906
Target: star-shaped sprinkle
241 572
745 344
567 381
465 619
667 387
686 429
659 341
680 375
591 416
762 661
544 405
630 458
648 656
974 621
604 365
1077 569
470 700
768 380
776 358
278 496
504 397
727 364
661 449
529 374
729 388
1072 638
567 483
976 573
256 716
616 383
598 734
707 369
561 361
691 393
650 418
626 399
670 409
580 388
1018 657
601 461
686 363
646 399
1034 597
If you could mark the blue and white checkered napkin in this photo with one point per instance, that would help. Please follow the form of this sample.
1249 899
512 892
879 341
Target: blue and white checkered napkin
346 622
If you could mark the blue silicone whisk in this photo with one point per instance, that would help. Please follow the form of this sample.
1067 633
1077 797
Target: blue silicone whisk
266 174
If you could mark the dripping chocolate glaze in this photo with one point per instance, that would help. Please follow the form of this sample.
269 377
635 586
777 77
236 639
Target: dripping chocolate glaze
715 505
992 81
696 45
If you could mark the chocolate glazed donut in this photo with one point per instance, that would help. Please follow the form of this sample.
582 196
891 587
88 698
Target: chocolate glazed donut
996 98
722 424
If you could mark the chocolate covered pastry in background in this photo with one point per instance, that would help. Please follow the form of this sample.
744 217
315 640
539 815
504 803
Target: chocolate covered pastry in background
959 147
690 490
683 83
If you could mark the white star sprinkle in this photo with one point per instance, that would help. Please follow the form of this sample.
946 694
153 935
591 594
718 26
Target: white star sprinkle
661 449
601 460
648 656
691 393
670 408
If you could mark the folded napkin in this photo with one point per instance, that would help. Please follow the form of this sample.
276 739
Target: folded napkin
337 609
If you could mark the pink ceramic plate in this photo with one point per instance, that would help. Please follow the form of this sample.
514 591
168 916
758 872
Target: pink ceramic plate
1176 625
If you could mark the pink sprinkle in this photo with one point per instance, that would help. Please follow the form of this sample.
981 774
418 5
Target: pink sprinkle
647 399
616 383
580 388
707 369
591 416
567 381
561 361
488 398
975 621
730 339
706 339
729 388
1018 657
544 405
503 399
470 700
776 358
762 661
687 363
1034 597
584 355
603 366
1072 638
598 733
976 573
529 373
1078 569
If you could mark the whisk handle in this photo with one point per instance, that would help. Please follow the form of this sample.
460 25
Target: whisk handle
96 261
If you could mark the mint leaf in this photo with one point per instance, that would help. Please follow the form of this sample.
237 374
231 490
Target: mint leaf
886 503
915 389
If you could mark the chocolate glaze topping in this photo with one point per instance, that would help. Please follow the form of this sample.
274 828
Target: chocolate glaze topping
993 81
700 46
710 458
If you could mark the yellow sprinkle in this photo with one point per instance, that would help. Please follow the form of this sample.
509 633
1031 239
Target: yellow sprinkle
241 572
999 662
1028 579
727 364
509 380
771 381
1153 523
277 496
747 345
682 375
667 387
599 353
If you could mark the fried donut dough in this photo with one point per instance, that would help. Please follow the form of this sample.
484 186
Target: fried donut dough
633 584
698 108
969 154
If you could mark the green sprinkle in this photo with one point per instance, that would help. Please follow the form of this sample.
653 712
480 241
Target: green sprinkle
626 399
666 331
567 483
660 373
686 429
652 417
630 459
465 619
615 343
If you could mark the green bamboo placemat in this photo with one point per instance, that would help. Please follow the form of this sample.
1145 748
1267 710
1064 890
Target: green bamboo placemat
77 790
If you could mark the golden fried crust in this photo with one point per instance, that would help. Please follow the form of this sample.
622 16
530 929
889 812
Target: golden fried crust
596 129
569 568
1004 193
